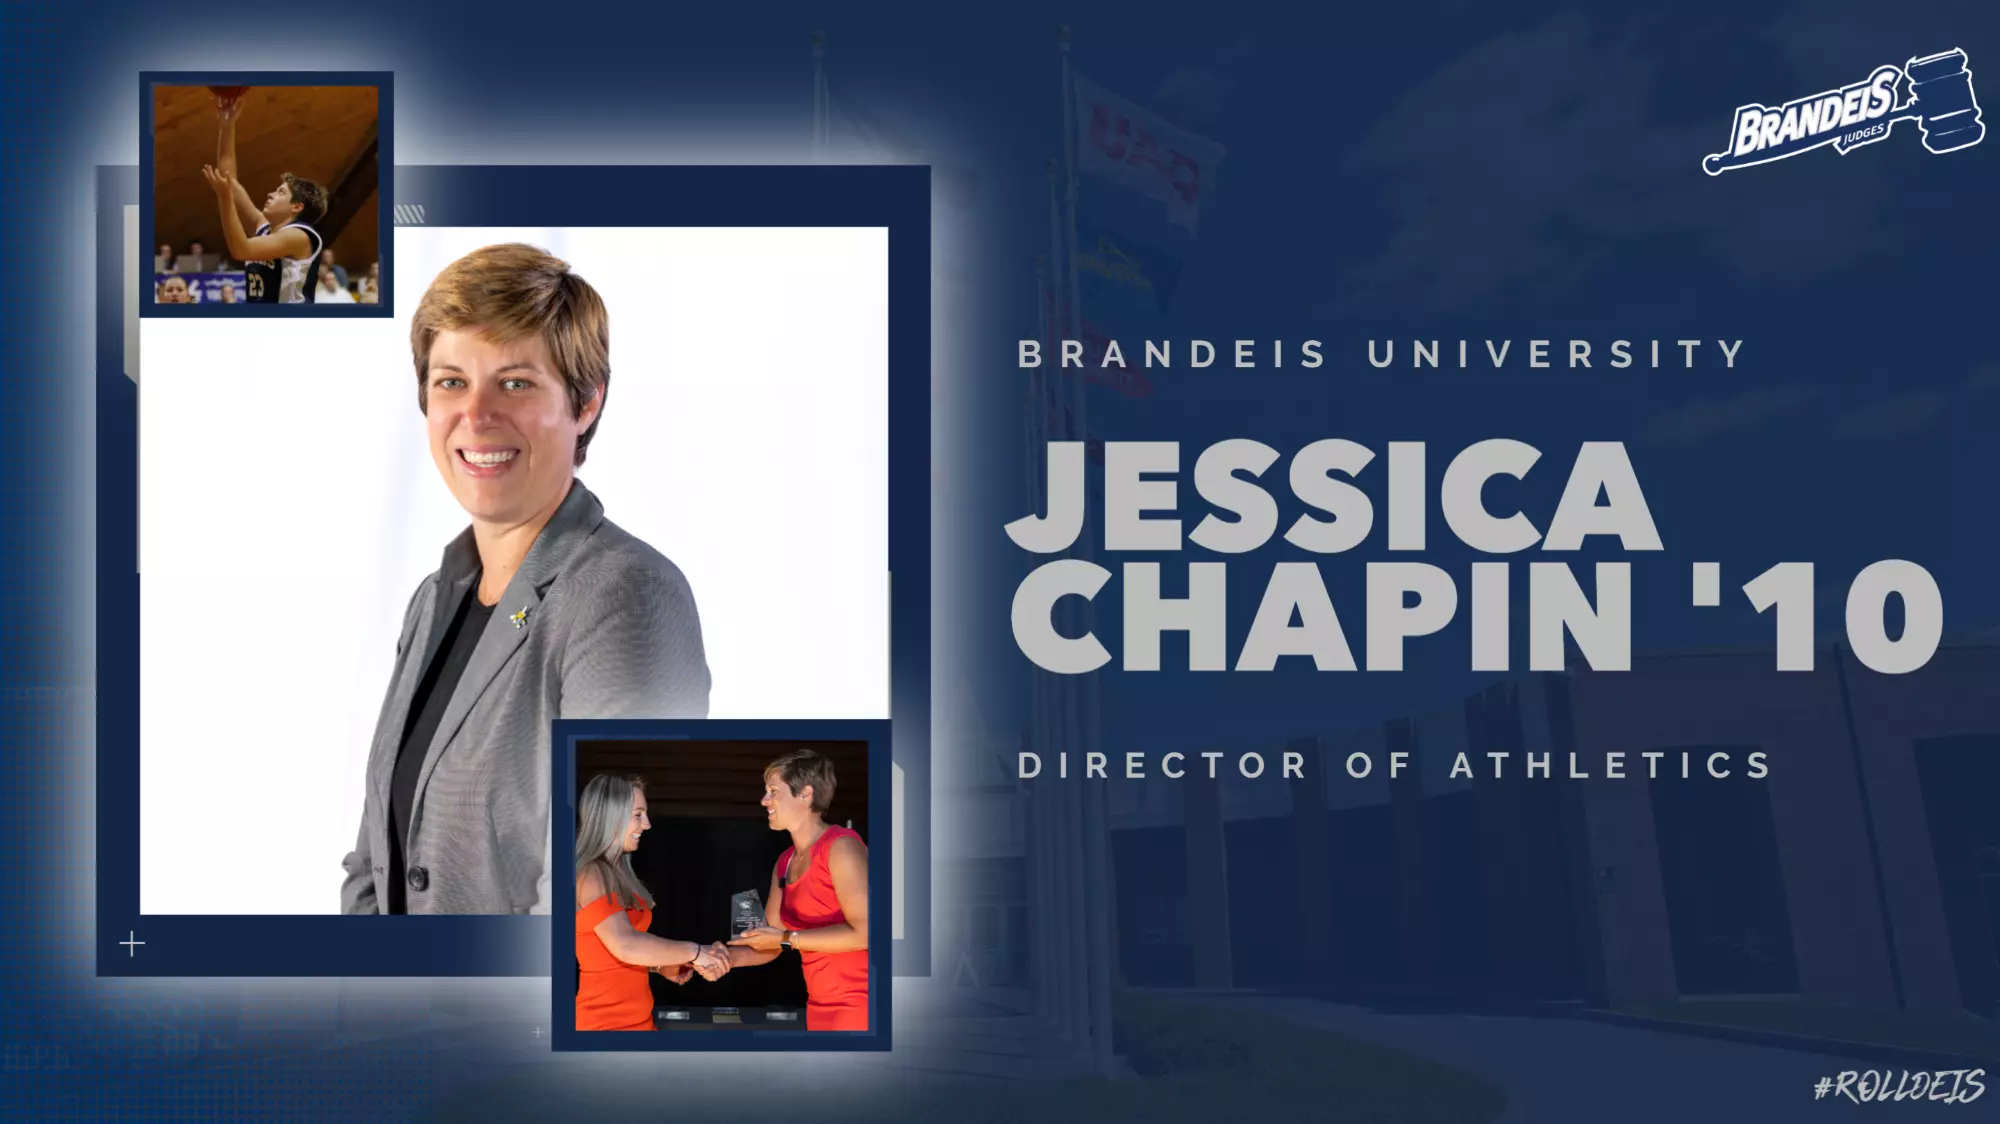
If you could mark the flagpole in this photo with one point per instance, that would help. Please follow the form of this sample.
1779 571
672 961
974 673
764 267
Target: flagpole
1049 962
1059 312
1070 190
822 113
1094 826
1041 859
1071 893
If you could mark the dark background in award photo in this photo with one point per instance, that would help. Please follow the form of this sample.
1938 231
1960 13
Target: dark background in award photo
710 840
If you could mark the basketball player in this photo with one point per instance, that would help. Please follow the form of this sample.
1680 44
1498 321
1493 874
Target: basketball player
281 259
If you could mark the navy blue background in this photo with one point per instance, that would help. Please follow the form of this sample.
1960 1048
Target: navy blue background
1428 170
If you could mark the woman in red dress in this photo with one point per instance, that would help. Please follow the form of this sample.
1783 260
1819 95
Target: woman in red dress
819 896
614 952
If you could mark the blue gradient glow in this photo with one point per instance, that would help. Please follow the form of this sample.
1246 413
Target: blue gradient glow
446 114
1435 169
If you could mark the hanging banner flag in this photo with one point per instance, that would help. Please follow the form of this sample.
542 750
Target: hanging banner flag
1128 380
1127 145
1119 273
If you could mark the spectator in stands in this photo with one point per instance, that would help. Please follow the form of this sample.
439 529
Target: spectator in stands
331 291
229 292
174 290
163 262
327 263
199 255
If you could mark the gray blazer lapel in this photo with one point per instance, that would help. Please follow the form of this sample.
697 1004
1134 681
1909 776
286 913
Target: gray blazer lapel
497 644
513 618
456 572
455 575
403 691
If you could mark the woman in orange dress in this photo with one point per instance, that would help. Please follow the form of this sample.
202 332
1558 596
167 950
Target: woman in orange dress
819 896
614 952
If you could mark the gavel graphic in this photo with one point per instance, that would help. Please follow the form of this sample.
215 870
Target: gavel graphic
1941 102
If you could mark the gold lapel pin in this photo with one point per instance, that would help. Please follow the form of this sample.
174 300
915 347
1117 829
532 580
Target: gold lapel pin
520 617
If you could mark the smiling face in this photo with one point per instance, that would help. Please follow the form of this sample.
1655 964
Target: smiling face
501 431
638 824
783 808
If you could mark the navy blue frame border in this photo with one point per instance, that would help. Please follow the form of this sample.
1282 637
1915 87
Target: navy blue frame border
385 190
194 945
571 733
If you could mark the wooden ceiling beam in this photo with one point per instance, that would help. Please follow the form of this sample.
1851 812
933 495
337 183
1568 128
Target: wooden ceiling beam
352 187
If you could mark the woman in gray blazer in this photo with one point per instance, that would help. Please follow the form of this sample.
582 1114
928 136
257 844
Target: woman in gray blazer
541 609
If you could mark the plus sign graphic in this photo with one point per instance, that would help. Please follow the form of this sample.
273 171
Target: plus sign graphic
131 944
538 1034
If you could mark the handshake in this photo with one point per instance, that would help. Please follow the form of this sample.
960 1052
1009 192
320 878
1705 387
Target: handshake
711 962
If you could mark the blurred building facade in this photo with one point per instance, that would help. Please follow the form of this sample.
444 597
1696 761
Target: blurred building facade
1863 870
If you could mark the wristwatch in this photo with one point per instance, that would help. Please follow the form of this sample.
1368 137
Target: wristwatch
791 936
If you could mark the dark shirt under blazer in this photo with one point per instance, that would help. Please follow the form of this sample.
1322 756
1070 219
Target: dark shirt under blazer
595 624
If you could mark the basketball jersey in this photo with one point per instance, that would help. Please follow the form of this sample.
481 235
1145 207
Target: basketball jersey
285 280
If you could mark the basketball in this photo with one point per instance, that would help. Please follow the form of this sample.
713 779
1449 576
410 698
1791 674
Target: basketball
227 93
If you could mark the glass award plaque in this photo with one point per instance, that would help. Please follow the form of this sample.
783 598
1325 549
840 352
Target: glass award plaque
746 912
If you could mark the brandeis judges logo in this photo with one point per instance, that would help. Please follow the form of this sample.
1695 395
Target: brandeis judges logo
1938 98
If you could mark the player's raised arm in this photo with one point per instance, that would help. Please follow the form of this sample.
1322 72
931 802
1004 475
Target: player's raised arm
286 242
226 112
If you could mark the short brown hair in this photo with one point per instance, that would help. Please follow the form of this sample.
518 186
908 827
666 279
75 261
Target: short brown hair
312 195
802 767
512 291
